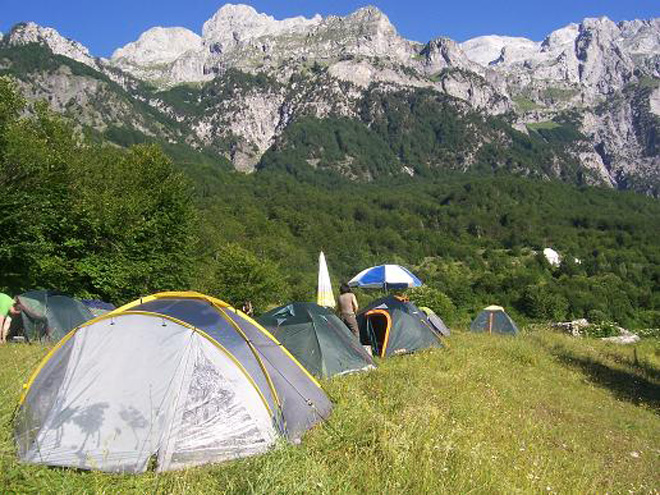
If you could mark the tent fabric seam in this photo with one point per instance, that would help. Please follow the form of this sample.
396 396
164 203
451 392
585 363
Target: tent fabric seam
255 352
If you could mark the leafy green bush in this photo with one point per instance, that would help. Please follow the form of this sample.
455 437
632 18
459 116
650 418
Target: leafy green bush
649 333
596 316
434 299
542 303
602 330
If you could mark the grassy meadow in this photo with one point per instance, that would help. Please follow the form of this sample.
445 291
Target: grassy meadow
540 414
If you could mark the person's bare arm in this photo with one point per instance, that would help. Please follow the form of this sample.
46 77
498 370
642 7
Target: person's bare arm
355 304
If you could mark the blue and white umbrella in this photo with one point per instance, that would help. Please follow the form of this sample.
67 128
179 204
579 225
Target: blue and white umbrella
385 277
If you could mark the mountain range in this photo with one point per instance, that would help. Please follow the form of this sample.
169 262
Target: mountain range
349 94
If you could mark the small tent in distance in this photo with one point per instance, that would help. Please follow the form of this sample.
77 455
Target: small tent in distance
317 338
47 316
393 325
493 319
172 380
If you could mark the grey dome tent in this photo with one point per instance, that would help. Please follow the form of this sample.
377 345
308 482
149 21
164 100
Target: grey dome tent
436 322
317 338
493 319
169 381
393 325
48 316
98 307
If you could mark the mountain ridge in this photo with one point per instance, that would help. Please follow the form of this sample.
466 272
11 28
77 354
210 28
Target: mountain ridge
604 74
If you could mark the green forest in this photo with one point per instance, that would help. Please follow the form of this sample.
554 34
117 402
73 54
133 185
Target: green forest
96 220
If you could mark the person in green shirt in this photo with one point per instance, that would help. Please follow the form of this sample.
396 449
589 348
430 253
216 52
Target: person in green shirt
7 310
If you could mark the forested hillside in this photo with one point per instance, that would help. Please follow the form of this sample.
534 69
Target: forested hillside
96 220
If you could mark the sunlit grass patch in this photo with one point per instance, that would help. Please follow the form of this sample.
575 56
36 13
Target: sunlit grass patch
486 415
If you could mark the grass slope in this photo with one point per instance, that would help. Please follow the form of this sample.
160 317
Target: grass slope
543 413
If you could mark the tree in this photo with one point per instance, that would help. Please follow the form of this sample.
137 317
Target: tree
11 104
88 219
541 303
435 299
236 275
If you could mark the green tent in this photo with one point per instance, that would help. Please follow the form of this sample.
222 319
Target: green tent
49 316
317 338
393 325
494 319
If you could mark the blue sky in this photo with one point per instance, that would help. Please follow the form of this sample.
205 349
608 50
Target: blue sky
105 25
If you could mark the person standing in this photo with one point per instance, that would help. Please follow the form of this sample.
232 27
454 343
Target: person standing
348 307
6 312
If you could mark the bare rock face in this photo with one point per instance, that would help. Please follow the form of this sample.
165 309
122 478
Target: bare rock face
237 36
595 67
488 50
603 66
654 101
29 32
163 54
604 75
445 53
598 55
252 117
456 75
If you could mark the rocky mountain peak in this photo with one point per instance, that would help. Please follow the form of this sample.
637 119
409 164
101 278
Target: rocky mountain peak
371 15
373 24
595 54
233 24
595 32
158 45
561 39
602 24
442 53
29 32
485 50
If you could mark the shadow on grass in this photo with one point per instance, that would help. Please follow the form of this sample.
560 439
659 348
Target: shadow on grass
626 384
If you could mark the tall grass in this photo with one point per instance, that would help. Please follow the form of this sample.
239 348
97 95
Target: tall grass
538 414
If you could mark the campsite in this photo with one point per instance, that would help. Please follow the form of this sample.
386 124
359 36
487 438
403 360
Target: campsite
544 413
216 402
437 408
329 249
179 392
442 409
